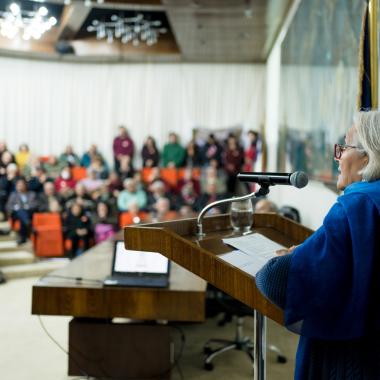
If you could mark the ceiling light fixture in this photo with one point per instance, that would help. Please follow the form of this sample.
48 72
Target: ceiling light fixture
33 24
133 29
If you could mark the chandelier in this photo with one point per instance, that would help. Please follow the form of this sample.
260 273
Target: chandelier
33 24
133 29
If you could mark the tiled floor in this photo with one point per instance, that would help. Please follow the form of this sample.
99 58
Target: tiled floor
27 353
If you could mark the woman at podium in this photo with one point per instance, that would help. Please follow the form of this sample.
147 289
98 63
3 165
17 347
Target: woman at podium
329 286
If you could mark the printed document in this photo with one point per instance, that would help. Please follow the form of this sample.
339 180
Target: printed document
252 252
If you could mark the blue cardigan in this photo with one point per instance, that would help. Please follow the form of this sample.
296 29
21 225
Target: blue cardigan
329 286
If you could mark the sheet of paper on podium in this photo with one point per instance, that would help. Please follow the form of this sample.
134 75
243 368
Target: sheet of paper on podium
252 252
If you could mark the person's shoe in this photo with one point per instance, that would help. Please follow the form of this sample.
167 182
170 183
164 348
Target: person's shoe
21 241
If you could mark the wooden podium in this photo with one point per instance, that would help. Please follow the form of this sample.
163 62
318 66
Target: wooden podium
177 240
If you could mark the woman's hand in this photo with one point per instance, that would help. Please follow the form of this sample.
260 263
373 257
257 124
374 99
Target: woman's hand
283 252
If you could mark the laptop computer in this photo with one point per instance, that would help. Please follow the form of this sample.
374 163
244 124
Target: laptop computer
138 268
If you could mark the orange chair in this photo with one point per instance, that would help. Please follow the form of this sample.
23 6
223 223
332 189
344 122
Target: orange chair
195 174
48 237
126 218
78 173
43 159
145 174
169 175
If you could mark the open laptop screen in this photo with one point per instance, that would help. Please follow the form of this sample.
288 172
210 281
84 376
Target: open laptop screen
128 261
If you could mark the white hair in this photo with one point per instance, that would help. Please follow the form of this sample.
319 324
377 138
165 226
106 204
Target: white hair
367 125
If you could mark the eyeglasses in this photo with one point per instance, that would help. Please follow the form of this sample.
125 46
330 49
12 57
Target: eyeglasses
340 148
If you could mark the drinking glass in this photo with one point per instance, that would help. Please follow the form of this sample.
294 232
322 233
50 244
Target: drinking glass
241 215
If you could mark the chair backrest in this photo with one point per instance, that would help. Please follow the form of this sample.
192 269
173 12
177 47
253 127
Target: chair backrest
46 219
169 175
290 213
145 174
195 173
126 218
43 159
78 173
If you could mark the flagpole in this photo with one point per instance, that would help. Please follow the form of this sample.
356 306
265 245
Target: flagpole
373 14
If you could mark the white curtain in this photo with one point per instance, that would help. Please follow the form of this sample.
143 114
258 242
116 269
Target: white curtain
51 104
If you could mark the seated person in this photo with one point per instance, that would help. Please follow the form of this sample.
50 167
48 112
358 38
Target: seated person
211 195
92 182
114 184
161 211
20 206
90 155
99 166
104 223
38 179
126 169
48 201
53 167
68 157
23 157
156 191
77 229
82 198
264 205
6 158
129 195
65 184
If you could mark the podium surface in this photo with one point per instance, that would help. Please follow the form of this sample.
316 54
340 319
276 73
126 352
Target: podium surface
178 241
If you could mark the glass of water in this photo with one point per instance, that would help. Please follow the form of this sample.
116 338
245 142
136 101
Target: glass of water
241 215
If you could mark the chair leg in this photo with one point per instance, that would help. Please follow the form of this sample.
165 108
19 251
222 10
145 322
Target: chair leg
281 358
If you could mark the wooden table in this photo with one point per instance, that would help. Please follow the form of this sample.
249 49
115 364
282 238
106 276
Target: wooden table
77 290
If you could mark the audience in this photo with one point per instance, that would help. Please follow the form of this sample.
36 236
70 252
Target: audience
91 207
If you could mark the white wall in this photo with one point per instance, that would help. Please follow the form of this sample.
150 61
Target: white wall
51 104
313 201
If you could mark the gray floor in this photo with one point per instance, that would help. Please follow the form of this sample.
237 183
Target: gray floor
27 353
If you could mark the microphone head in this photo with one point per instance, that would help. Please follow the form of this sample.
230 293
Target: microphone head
299 179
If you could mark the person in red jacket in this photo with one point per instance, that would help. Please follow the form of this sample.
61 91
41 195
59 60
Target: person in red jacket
123 147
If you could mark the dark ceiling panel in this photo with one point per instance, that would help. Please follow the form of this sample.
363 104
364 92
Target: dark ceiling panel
198 30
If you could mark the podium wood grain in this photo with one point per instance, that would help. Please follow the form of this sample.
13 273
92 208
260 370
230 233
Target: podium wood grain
177 240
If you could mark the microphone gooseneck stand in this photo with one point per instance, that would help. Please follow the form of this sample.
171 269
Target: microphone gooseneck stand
259 319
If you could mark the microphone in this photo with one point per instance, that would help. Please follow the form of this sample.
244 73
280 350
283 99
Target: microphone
296 179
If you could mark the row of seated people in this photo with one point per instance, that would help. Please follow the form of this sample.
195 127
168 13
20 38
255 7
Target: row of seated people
173 154
155 200
229 156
